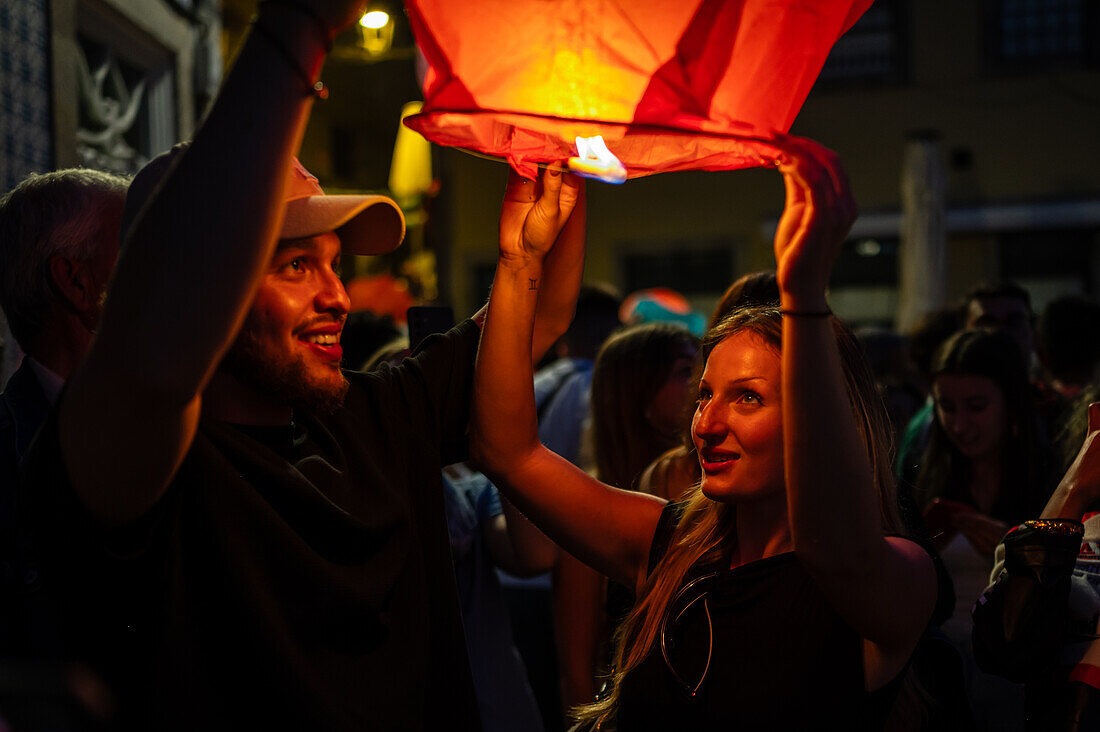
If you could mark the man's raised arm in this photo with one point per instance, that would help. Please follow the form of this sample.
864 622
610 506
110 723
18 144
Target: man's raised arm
190 264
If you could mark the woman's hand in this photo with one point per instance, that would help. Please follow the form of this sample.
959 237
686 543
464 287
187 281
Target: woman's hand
534 213
818 213
1079 490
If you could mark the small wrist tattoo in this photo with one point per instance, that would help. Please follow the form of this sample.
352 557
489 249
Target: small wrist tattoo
533 284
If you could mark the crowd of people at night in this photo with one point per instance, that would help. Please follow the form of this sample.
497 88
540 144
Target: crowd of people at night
570 510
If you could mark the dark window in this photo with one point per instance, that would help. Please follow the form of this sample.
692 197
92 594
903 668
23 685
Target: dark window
874 50
1031 34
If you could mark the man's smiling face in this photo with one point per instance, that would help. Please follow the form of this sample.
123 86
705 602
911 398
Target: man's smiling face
289 344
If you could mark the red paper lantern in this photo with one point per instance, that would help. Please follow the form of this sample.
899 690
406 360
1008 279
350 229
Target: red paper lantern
669 84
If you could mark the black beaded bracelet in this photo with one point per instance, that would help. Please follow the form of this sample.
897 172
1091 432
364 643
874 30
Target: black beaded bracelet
315 89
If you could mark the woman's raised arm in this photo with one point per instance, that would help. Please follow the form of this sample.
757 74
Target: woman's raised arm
884 587
606 528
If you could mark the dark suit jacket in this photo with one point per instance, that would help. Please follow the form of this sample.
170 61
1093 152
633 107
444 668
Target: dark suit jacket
23 627
23 409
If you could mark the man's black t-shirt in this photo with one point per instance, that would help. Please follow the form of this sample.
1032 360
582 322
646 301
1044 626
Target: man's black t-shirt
292 578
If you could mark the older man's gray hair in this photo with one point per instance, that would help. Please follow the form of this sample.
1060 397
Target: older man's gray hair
58 213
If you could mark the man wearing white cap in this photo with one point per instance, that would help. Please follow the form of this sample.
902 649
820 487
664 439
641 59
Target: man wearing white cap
240 535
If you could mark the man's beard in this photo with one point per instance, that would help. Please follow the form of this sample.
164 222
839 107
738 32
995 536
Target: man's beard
284 376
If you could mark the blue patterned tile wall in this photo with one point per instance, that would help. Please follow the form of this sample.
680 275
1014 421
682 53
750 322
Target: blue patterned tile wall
25 141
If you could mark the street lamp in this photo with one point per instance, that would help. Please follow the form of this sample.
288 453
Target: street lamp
375 32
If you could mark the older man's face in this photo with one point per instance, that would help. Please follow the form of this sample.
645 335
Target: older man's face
102 263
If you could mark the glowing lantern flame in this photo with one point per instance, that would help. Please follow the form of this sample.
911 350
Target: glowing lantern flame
594 160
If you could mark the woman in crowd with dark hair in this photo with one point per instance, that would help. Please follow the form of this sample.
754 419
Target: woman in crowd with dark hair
983 471
984 450
775 596
640 383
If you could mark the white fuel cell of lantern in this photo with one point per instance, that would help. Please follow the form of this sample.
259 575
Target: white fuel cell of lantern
594 160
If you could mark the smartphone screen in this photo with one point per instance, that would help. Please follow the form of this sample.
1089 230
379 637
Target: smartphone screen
427 319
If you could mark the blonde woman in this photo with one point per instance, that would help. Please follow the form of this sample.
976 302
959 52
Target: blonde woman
776 596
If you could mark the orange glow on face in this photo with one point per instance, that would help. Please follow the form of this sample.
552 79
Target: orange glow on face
594 160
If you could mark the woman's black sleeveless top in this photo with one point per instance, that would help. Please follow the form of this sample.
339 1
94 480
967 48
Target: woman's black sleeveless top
781 657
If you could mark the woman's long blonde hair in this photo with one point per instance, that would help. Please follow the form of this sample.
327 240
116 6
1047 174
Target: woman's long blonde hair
705 529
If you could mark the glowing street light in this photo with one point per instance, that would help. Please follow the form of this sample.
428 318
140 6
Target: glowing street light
375 32
374 20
